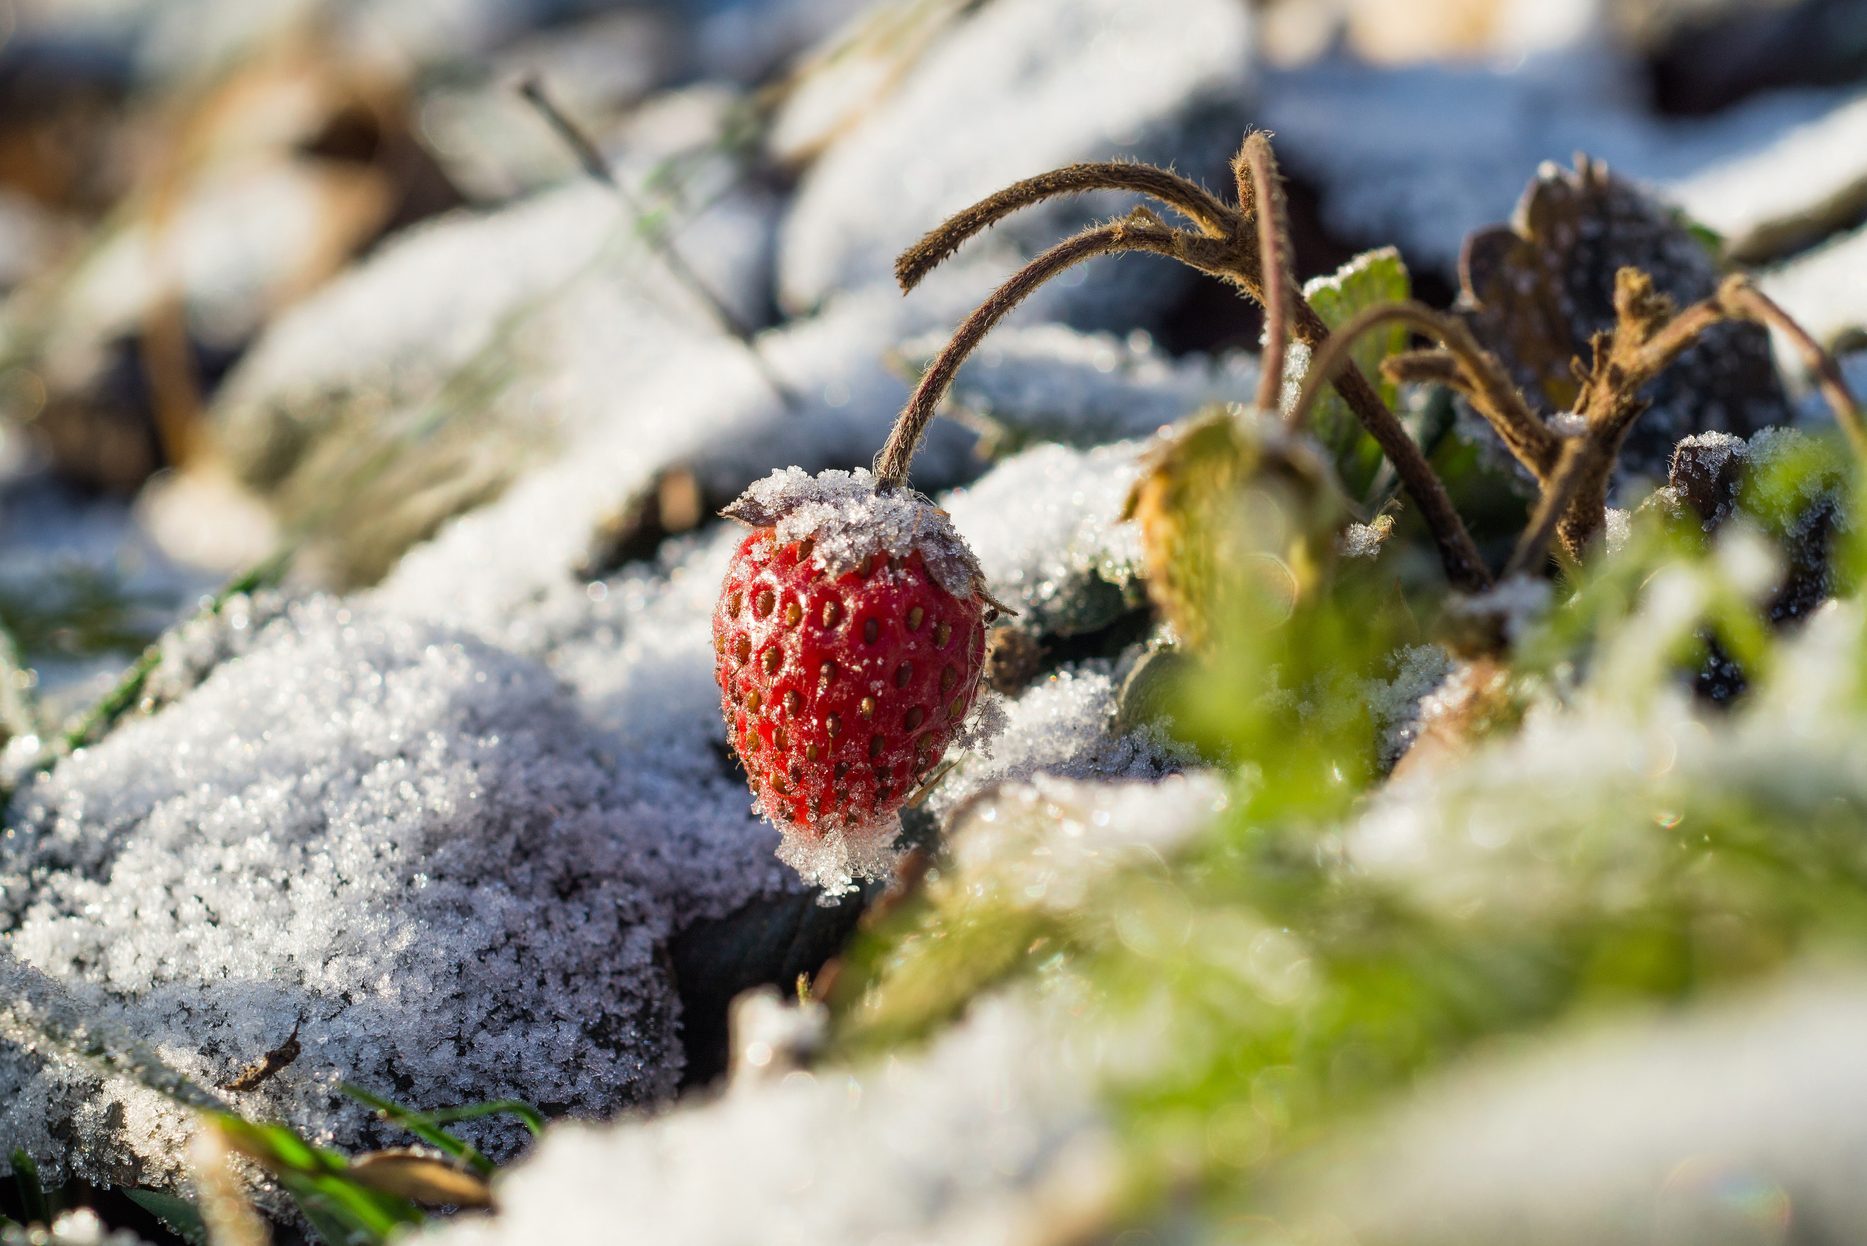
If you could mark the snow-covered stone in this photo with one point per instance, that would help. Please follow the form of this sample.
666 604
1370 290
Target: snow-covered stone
406 845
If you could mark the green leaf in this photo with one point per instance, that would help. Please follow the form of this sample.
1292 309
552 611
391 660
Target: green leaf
177 1215
424 1127
31 1191
1370 278
528 1115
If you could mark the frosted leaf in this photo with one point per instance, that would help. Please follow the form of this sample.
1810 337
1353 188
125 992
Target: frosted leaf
1052 383
981 1139
1536 292
849 519
405 842
1396 704
1010 90
1050 537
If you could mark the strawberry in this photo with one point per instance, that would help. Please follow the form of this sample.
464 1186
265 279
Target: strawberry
849 640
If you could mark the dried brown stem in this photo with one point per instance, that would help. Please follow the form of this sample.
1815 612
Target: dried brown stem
1558 491
1139 231
1229 249
1480 379
1274 261
1745 299
590 159
1464 565
1424 367
1181 194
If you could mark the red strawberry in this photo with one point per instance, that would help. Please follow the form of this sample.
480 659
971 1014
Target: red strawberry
849 640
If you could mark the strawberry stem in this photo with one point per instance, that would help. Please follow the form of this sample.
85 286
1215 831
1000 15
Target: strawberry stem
1139 231
1274 261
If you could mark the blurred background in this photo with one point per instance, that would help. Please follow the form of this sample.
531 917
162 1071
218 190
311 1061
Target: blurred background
314 274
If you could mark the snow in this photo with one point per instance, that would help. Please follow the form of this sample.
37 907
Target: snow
1017 88
1721 1122
1046 842
536 289
1396 704
982 1139
1060 726
1423 155
1047 382
848 519
1050 534
405 842
1823 289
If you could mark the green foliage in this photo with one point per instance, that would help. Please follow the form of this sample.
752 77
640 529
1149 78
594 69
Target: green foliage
33 1203
428 1126
177 1215
1323 945
1370 279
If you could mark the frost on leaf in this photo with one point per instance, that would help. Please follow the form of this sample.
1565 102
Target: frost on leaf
407 844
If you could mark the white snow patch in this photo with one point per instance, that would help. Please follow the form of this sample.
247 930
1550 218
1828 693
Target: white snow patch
1061 726
982 1139
404 842
1048 530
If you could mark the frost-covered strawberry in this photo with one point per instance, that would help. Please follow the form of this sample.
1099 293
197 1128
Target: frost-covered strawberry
849 640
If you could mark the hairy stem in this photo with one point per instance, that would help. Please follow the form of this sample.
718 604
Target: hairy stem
1274 261
1745 299
1558 492
1181 194
1458 553
1138 232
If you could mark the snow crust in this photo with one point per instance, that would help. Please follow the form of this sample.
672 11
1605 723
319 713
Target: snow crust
977 1141
404 842
1050 536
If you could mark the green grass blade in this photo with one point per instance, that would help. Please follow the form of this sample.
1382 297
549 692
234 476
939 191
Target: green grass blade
31 1190
177 1215
533 1119
427 1128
